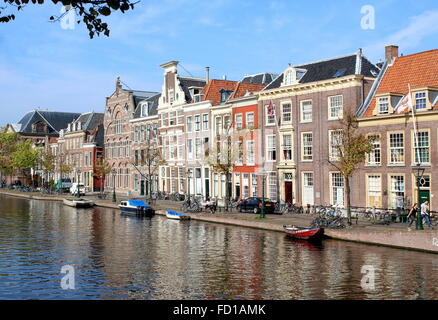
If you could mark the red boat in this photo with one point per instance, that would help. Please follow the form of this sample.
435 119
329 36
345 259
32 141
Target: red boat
304 233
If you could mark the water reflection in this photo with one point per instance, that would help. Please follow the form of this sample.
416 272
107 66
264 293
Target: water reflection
123 257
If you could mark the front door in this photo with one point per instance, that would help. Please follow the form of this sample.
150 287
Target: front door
237 192
288 191
424 195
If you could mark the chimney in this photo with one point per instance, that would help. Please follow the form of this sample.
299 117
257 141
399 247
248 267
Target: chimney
118 85
224 77
391 52
207 74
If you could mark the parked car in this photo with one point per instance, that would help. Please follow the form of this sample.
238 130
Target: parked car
254 204
74 189
63 185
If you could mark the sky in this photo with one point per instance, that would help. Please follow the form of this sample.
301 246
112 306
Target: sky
45 66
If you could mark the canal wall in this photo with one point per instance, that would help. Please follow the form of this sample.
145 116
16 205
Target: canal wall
422 240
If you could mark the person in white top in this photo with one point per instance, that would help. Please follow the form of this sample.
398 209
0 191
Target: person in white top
425 213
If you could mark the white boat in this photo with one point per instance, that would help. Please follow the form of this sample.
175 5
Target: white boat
78 203
136 207
176 215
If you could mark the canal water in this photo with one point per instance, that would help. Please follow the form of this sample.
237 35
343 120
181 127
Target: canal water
113 256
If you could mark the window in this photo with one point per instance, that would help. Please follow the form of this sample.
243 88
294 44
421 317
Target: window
271 148
144 109
335 143
180 115
287 147
396 148
270 114
272 184
337 189
190 149
250 120
164 119
383 105
198 147
306 111
245 185
396 191
335 107
250 153
218 125
197 122
239 121
239 160
421 147
172 118
254 184
287 113
307 143
205 121
118 126
374 157
288 77
180 142
171 95
189 124
420 101
374 193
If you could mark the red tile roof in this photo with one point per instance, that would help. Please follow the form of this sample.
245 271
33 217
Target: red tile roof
212 90
417 70
243 87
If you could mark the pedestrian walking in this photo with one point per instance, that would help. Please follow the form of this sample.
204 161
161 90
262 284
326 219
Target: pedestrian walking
425 213
412 215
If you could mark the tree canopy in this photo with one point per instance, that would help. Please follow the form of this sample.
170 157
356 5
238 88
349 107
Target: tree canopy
88 11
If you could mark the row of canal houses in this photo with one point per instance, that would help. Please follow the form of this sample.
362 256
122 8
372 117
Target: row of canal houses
278 132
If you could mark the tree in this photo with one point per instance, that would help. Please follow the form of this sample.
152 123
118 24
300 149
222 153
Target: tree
25 156
150 159
223 157
89 11
101 171
8 144
47 163
349 149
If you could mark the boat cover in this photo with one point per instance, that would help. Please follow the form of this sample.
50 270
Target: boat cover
137 203
175 213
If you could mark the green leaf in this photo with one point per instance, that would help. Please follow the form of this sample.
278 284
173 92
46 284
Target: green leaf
105 11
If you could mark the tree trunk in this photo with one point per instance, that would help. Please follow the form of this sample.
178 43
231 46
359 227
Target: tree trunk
347 199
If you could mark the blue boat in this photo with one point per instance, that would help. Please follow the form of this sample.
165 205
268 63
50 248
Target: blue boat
176 215
136 207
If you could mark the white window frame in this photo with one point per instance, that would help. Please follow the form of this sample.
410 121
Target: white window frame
390 148
249 124
302 103
310 156
331 107
287 114
271 149
238 119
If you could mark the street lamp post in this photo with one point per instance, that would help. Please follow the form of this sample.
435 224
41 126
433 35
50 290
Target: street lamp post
418 172
114 184
189 175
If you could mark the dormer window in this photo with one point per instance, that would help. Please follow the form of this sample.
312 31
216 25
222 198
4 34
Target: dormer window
144 109
420 100
292 76
197 97
225 94
383 105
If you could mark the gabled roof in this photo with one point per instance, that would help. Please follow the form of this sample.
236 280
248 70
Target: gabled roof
332 68
212 91
417 70
245 88
54 119
187 82
152 104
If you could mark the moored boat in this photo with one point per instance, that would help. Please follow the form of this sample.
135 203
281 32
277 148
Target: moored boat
176 215
78 203
136 207
304 233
